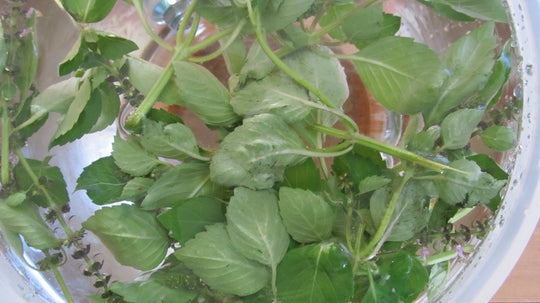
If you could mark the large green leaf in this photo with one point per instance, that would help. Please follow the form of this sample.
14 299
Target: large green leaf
151 291
55 98
255 154
401 74
213 258
88 11
191 216
24 219
468 63
307 216
103 181
204 94
175 141
255 227
134 236
181 182
315 273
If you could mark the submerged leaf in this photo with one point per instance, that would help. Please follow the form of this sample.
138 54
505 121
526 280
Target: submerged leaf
175 141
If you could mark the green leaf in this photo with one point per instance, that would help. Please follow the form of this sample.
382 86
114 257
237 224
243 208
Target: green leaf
258 65
406 274
134 236
489 165
378 293
469 63
438 278
489 10
135 189
256 154
474 186
25 220
359 164
372 183
221 12
175 141
151 291
103 181
411 213
3 50
88 11
113 47
277 94
457 127
55 98
276 14
143 75
315 273
255 227
181 182
411 71
204 94
78 117
307 216
304 175
499 138
424 141
213 258
132 158
191 216
50 177
26 58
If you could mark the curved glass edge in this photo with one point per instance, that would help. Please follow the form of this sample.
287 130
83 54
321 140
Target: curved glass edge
515 223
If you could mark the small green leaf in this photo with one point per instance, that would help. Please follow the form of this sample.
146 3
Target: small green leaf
135 189
134 236
181 182
424 141
25 219
175 141
213 258
88 11
256 154
191 216
26 58
102 181
255 227
113 47
457 127
204 94
258 65
315 273
55 98
132 158
411 71
110 105
307 216
489 165
499 138
50 177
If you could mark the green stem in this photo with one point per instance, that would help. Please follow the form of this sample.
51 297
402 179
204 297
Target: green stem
149 31
61 282
222 49
185 21
374 244
386 148
5 143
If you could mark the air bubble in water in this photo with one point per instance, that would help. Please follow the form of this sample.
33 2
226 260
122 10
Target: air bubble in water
518 91
529 69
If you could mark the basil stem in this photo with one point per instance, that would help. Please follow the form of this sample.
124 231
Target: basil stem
5 143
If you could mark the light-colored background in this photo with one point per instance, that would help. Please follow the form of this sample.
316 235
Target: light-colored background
523 284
